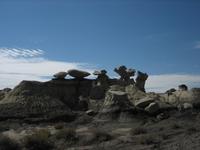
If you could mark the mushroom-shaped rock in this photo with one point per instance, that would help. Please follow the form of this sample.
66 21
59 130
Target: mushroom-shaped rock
60 75
79 74
124 73
115 104
141 80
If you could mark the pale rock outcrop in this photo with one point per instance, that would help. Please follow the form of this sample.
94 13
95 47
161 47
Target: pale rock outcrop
116 103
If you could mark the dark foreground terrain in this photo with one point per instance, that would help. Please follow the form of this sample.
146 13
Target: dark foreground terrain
181 131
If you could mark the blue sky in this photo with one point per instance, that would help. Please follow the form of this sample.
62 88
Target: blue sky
160 37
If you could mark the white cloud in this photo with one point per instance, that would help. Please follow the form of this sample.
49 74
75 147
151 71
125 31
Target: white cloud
29 64
197 45
161 83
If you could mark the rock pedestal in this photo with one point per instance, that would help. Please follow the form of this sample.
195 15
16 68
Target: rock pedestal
116 102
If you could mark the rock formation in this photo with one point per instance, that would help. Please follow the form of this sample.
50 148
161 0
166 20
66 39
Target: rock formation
100 86
183 87
125 74
78 74
116 103
141 80
47 100
102 78
63 98
60 75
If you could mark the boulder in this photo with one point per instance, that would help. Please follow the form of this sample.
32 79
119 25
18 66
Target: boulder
144 102
183 87
134 94
79 74
60 75
116 103
152 108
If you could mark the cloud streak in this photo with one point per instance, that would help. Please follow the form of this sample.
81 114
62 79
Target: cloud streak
20 52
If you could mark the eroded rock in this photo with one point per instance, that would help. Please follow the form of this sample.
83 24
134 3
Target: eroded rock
60 75
79 74
141 80
116 102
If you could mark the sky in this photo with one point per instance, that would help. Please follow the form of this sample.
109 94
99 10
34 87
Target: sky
160 37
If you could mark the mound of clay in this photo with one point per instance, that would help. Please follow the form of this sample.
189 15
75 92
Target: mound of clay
46 100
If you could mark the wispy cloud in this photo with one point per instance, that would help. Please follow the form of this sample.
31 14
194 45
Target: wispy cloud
20 52
30 64
197 45
161 83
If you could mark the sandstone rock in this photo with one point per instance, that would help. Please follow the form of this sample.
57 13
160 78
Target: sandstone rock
134 94
152 108
78 73
60 75
125 74
144 102
116 102
140 81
